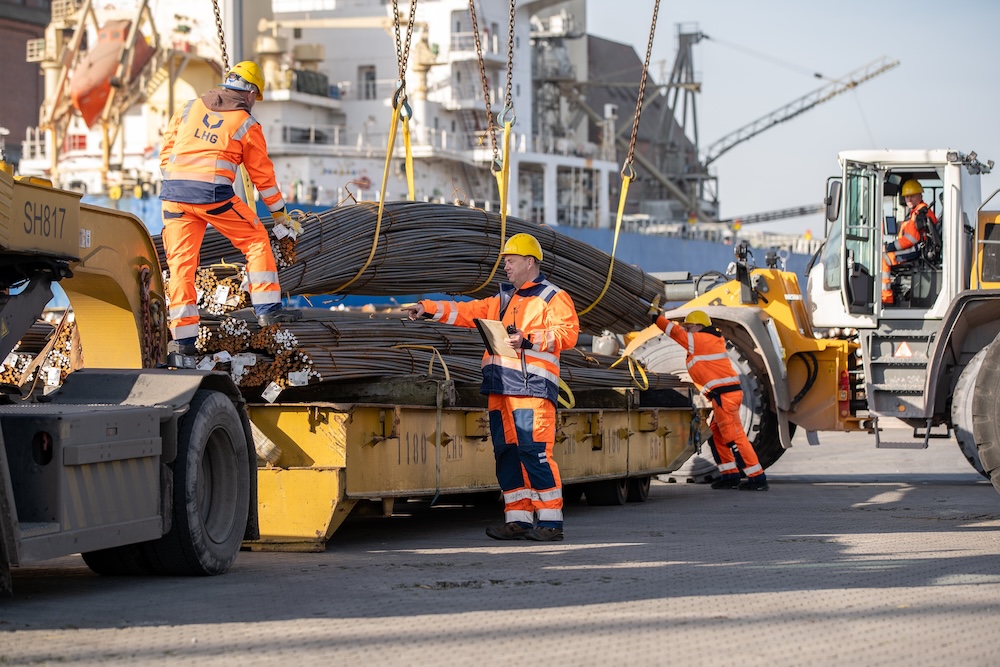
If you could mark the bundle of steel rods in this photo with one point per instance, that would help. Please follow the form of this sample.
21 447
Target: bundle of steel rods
432 248
33 343
334 346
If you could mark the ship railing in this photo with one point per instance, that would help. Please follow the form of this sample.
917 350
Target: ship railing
466 42
720 233
316 139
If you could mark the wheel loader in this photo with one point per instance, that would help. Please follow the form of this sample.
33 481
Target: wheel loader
836 358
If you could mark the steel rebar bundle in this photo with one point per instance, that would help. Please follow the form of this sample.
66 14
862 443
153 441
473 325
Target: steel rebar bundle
32 344
332 346
431 248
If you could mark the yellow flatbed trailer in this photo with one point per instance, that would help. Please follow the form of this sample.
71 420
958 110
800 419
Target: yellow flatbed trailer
333 455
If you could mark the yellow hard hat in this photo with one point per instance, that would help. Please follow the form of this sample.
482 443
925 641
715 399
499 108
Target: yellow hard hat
698 317
911 187
523 244
246 72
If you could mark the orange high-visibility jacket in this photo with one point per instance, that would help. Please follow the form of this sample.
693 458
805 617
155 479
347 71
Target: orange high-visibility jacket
708 364
205 143
548 319
909 234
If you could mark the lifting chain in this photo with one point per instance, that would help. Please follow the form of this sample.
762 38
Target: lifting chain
628 171
152 322
402 49
508 102
627 167
222 37
490 128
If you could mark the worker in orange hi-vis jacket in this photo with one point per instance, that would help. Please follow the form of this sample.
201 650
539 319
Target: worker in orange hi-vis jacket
204 145
713 374
541 322
906 247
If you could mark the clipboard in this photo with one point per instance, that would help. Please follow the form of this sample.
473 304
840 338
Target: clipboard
494 336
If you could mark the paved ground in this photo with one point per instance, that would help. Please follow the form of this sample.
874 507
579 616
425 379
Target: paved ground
856 556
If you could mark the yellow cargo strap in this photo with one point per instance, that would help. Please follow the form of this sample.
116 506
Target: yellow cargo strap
502 175
640 338
247 187
409 155
400 107
570 401
627 177
399 99
628 172
435 353
634 365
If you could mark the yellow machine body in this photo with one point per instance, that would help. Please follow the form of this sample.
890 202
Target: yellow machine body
116 289
781 323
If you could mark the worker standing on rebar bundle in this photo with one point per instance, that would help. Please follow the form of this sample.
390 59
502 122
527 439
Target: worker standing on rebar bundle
206 142
541 322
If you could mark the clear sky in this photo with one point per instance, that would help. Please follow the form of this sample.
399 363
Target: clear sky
762 54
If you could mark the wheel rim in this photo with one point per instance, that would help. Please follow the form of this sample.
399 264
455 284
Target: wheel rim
217 492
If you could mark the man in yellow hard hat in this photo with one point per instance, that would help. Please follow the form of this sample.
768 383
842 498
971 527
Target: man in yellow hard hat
713 374
204 145
541 322
906 248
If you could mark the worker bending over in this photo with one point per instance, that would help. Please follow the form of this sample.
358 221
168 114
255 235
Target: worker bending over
541 322
206 142
713 374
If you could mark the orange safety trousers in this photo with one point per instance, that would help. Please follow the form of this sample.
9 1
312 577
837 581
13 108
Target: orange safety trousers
183 231
523 430
729 439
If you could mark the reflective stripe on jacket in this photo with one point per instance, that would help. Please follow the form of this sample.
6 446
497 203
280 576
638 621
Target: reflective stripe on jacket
206 142
548 319
708 364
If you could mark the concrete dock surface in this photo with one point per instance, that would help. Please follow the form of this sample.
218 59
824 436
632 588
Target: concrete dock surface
856 556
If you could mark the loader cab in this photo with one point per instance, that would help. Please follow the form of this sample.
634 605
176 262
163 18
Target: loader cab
916 282
865 211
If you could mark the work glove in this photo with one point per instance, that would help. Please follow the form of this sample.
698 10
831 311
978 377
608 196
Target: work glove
655 310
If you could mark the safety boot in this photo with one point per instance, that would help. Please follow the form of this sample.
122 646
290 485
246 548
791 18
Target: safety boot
757 483
508 531
727 482
545 534
279 316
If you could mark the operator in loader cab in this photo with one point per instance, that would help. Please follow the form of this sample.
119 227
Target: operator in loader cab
906 247
713 374
204 145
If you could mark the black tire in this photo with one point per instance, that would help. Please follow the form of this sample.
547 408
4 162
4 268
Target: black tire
961 411
638 489
572 493
607 492
127 560
211 498
985 411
